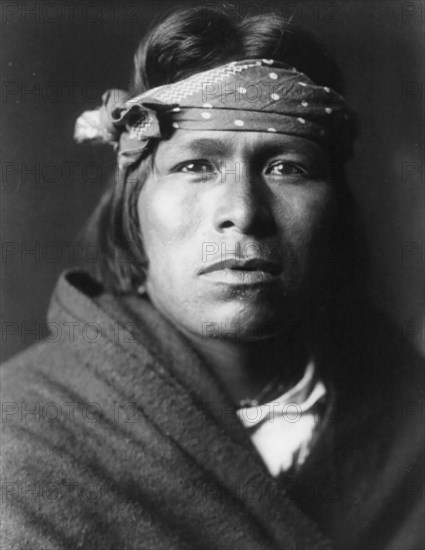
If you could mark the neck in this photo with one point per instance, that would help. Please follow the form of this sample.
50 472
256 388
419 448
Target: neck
245 368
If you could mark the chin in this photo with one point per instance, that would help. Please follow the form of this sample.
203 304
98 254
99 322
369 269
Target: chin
244 322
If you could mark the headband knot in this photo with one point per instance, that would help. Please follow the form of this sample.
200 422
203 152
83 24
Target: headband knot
99 126
261 95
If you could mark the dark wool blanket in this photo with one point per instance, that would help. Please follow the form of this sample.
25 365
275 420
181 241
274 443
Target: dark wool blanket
115 436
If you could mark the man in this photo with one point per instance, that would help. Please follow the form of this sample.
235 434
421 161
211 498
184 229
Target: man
222 385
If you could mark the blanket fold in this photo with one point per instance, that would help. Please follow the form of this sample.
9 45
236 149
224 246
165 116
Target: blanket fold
118 437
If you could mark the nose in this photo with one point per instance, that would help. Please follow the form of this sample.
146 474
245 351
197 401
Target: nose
244 204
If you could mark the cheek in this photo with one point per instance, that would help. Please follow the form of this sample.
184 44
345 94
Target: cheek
166 216
305 212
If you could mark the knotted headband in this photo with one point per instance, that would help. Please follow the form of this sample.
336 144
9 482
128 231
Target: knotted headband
260 95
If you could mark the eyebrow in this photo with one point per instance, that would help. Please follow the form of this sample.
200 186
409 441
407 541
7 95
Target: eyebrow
202 145
217 146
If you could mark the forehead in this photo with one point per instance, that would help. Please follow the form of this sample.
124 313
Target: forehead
226 143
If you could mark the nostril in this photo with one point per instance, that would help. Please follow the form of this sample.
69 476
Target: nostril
227 224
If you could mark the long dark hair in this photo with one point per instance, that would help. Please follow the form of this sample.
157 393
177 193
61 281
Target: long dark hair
186 42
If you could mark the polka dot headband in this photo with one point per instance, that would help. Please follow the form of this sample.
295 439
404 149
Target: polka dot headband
260 95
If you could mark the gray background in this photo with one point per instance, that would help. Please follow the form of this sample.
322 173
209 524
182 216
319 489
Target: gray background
58 59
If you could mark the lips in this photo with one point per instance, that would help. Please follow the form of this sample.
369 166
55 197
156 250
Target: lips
251 265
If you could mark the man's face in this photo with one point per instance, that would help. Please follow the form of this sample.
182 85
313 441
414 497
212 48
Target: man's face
231 223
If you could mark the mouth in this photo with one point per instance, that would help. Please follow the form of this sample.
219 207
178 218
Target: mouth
255 271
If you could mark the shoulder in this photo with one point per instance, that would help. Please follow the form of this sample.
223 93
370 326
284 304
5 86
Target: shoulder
379 433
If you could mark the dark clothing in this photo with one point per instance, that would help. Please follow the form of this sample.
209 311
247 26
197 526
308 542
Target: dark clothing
117 436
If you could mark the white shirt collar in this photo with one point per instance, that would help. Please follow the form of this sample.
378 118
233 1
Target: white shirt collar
283 430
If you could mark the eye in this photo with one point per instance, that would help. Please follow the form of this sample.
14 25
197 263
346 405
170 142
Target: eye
285 169
196 167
